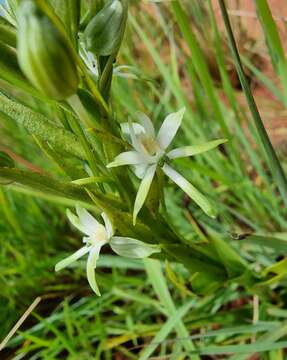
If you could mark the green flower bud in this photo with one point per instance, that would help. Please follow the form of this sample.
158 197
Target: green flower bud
44 55
104 33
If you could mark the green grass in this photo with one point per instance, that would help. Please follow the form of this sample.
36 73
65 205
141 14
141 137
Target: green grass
155 309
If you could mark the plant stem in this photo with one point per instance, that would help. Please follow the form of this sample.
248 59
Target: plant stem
274 163
77 106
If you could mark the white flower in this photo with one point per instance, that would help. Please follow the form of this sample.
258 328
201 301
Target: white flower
150 151
97 235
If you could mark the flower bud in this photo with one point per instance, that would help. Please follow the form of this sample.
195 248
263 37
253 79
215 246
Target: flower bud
44 55
104 33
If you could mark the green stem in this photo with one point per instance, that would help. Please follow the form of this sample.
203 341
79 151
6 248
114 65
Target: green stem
274 163
76 104
106 76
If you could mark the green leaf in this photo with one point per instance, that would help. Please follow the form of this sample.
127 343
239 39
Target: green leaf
7 33
69 12
6 160
42 127
233 262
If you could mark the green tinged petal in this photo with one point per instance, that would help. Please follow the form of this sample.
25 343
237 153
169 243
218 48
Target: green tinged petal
190 190
74 220
194 149
108 225
91 266
169 128
132 248
146 123
143 190
74 257
128 158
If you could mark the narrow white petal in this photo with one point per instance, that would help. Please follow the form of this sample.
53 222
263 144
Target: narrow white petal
90 224
194 149
74 220
128 158
143 190
108 225
189 189
132 248
146 123
138 129
140 170
169 128
91 266
135 142
74 257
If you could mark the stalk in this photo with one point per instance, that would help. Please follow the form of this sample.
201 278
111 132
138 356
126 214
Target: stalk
273 161
77 106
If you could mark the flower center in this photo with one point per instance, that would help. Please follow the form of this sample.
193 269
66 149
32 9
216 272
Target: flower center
150 145
100 236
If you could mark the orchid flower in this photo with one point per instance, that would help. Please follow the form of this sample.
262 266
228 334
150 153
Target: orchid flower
150 152
96 236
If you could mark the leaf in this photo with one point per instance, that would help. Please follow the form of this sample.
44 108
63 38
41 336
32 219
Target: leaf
7 33
69 12
42 127
232 261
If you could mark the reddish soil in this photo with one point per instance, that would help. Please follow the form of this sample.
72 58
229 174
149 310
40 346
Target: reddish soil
272 111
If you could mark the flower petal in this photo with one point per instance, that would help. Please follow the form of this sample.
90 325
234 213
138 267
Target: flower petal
138 129
169 128
135 142
74 220
143 190
194 149
140 170
132 248
108 225
88 222
74 257
91 266
146 123
190 190
128 158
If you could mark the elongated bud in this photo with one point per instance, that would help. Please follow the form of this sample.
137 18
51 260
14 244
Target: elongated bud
44 55
104 32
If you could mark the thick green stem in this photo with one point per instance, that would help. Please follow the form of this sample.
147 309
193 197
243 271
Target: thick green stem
274 163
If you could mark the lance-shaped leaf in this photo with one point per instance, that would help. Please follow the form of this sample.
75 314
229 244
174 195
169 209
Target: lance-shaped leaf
190 190
69 12
39 125
191 150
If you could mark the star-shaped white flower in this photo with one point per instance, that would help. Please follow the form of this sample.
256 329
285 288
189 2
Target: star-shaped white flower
150 151
96 236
